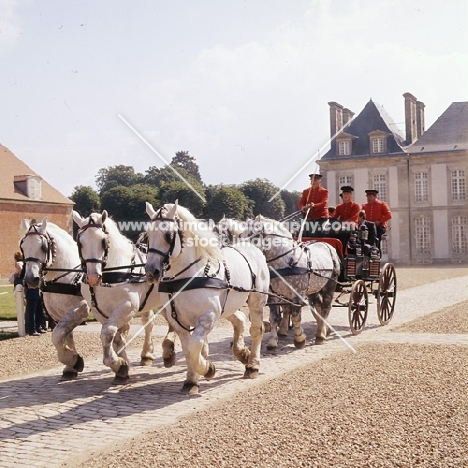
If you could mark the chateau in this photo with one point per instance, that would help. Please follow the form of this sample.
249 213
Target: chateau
421 175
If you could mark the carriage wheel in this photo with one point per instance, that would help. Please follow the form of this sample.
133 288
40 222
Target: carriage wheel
386 293
357 307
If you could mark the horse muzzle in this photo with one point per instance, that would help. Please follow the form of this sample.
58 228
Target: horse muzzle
94 280
153 276
32 282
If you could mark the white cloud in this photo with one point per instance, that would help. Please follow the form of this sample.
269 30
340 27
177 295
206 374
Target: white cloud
9 28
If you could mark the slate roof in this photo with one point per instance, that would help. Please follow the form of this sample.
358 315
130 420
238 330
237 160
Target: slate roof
11 167
449 132
372 117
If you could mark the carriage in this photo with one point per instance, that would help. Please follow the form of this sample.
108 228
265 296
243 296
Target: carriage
361 277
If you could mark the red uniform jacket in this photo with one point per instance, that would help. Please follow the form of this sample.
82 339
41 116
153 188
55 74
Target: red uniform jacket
319 197
377 211
348 212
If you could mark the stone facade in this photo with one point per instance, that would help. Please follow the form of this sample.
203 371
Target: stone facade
422 177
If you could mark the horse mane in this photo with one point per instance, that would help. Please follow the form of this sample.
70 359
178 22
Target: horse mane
119 245
196 229
64 248
273 226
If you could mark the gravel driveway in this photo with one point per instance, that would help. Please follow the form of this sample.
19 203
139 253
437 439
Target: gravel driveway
388 405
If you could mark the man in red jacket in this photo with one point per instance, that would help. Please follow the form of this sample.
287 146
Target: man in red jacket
314 204
347 213
377 211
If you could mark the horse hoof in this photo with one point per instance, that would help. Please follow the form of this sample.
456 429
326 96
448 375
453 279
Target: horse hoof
120 380
282 335
299 344
122 373
210 373
190 388
319 341
266 327
170 361
271 347
146 361
79 364
68 375
250 373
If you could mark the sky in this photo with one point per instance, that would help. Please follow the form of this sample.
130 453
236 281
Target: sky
242 85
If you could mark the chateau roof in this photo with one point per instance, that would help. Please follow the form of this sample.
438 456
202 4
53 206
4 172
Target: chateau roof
14 170
449 132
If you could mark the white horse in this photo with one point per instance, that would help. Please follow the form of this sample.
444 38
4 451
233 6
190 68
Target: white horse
53 264
117 290
206 282
297 270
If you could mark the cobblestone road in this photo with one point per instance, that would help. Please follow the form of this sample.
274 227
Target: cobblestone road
44 422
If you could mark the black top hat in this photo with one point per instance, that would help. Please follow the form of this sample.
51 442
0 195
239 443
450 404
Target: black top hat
372 192
347 188
315 176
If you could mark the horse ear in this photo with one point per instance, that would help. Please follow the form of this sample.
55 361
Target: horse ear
43 227
150 210
78 219
25 225
172 212
104 216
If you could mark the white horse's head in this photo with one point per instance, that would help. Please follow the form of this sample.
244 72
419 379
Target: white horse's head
93 244
164 239
37 251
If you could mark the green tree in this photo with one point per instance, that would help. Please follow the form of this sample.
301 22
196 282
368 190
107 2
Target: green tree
157 177
291 200
178 190
225 200
183 160
128 203
114 176
260 191
86 200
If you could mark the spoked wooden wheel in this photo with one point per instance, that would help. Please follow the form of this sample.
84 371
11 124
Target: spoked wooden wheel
357 307
386 293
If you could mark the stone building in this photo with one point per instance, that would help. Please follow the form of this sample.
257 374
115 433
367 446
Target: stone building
421 175
24 194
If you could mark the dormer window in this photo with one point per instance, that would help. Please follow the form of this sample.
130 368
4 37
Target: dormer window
378 142
344 144
344 148
378 145
29 185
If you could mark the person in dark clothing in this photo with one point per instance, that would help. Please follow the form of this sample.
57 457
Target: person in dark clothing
34 312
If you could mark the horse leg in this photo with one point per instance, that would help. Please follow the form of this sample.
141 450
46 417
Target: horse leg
62 338
284 324
275 319
147 355
168 345
322 303
111 359
239 350
191 385
299 335
197 364
256 303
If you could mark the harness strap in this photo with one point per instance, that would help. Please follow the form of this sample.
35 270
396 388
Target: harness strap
143 304
176 285
94 301
288 271
62 288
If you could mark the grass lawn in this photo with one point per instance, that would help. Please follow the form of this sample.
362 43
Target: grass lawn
7 303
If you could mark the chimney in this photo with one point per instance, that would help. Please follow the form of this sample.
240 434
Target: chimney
336 118
419 118
347 116
410 118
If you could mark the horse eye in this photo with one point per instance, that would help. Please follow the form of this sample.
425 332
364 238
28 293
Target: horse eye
169 236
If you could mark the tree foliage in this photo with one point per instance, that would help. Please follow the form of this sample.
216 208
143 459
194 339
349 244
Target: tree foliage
128 203
183 160
225 200
260 191
178 190
291 200
115 176
86 200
